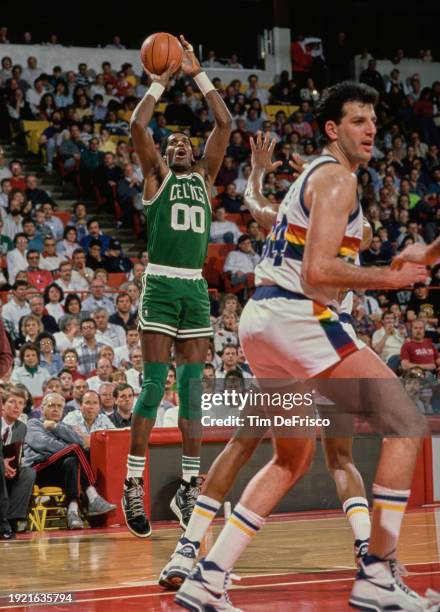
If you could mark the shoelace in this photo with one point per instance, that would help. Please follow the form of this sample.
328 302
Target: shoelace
190 496
229 577
136 506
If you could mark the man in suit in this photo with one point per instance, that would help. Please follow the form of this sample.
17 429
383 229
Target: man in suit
6 361
19 479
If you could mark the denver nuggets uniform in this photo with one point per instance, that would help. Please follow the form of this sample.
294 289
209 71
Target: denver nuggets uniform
289 327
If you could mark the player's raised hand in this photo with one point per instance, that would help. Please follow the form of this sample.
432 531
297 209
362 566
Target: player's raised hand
262 151
165 77
190 64
415 253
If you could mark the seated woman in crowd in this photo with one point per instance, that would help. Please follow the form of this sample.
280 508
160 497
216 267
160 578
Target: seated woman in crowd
55 451
30 373
53 298
226 331
69 242
30 328
69 331
70 362
49 357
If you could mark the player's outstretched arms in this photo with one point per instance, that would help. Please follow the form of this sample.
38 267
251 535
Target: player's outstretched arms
330 195
219 138
263 210
418 253
150 160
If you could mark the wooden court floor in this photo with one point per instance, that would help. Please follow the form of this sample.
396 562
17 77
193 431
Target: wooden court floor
301 562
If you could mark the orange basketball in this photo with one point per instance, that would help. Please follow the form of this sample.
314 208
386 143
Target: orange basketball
159 51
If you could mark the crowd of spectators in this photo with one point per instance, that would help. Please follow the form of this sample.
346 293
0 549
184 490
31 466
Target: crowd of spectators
74 330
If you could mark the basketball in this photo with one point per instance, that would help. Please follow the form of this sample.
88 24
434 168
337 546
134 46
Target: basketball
159 51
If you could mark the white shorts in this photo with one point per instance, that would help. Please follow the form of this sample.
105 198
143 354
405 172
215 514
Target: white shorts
284 334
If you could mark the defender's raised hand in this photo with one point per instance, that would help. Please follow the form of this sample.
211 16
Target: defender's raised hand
262 151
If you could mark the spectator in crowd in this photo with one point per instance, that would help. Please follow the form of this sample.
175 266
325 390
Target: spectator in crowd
55 451
53 300
104 372
211 61
97 298
372 77
40 279
51 221
50 359
69 331
36 305
226 331
16 259
123 316
33 193
375 255
32 71
107 398
242 262
49 258
30 373
19 479
227 173
88 418
124 399
13 220
168 411
135 373
122 351
80 386
388 340
94 233
255 91
108 333
256 236
70 363
65 281
88 347
35 239
66 380
419 351
30 328
114 259
230 362
223 230
79 221
16 308
79 267
231 201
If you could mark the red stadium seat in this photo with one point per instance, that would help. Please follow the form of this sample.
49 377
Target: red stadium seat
213 268
64 215
116 279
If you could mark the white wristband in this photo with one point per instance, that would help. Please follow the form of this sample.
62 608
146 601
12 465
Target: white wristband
204 83
155 90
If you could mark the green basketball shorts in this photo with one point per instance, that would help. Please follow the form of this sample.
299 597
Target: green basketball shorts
175 306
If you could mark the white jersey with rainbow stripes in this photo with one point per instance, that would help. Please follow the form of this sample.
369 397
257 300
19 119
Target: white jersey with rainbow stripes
283 253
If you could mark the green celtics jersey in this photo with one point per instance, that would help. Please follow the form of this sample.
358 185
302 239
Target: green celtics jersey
179 221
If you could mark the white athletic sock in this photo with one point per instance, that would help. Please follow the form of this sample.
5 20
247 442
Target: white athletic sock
91 493
202 516
190 467
135 466
356 511
239 530
73 506
388 510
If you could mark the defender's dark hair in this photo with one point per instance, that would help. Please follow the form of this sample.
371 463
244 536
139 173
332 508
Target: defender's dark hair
330 107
